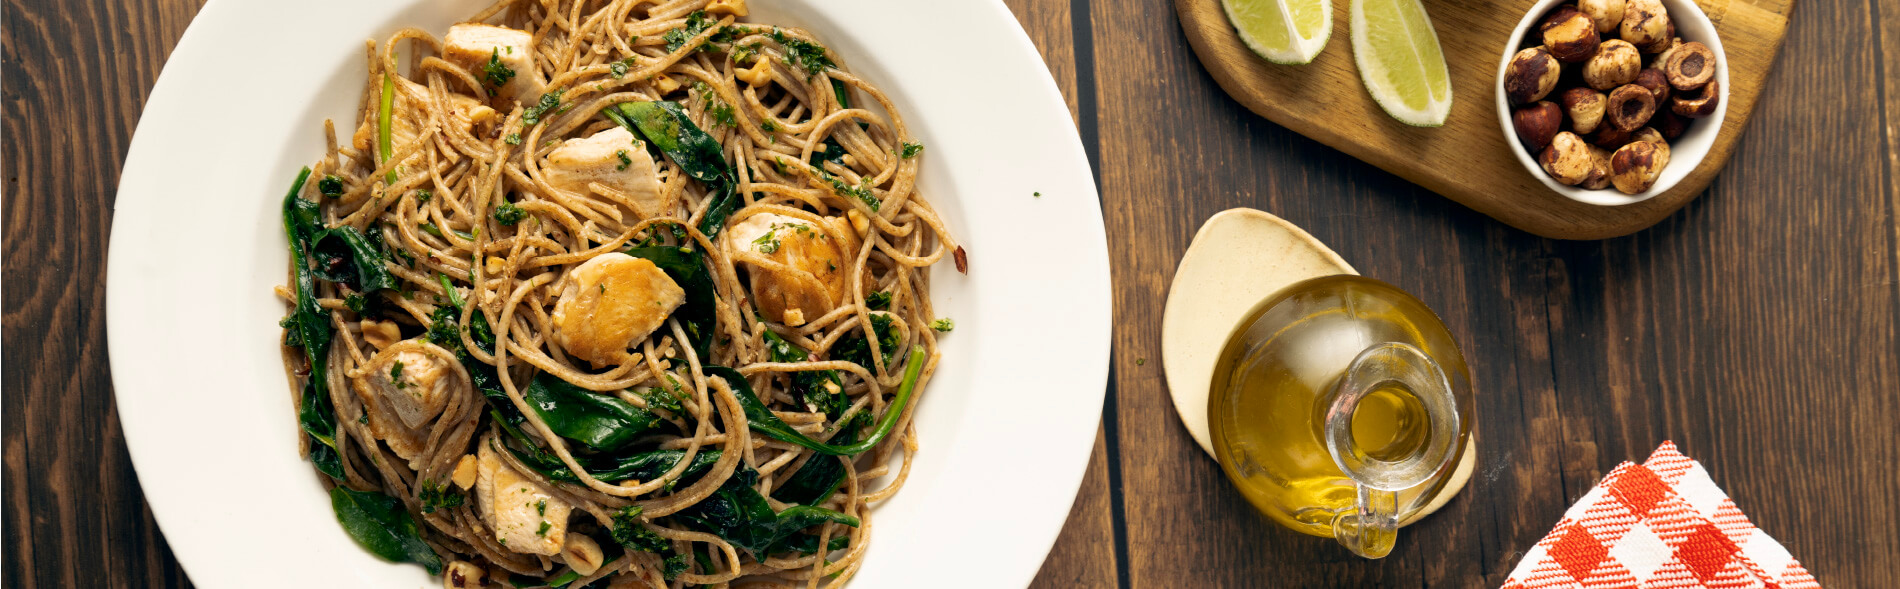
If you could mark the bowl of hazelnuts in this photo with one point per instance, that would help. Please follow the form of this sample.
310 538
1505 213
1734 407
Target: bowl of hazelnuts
1611 102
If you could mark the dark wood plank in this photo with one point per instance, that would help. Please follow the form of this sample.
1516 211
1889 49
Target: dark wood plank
1755 328
78 74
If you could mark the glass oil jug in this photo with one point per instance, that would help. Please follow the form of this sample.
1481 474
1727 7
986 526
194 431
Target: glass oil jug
1339 406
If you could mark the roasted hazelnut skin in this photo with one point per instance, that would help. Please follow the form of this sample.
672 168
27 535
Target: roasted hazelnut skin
1690 66
1698 103
1656 82
1567 160
1663 44
1616 63
1537 123
1606 13
1599 177
1531 76
1651 135
1668 123
1569 35
1635 167
1644 23
1610 137
1630 106
1585 107
1663 58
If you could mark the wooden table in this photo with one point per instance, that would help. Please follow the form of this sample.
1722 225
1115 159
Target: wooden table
1759 328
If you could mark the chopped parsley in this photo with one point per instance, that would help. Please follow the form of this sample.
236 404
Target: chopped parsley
330 186
803 54
543 530
619 68
445 328
861 192
768 243
720 111
436 496
624 160
355 302
659 398
549 103
696 23
769 127
944 324
508 214
395 375
912 149
880 300
424 195
498 75
1038 195
513 139
541 507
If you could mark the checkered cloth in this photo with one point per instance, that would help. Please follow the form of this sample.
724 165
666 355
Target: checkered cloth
1663 524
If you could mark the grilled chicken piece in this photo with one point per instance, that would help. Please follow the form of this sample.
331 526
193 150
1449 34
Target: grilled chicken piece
413 385
524 516
611 302
406 121
809 276
488 51
615 160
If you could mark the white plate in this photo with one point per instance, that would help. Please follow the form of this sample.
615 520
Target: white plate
1006 427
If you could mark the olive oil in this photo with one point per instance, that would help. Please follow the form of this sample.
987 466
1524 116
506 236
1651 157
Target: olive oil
1279 380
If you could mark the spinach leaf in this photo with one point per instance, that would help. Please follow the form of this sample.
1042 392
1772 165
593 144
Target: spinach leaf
352 259
725 201
738 513
820 476
642 466
857 348
687 267
666 125
310 325
762 419
603 422
808 543
384 110
379 524
822 390
833 152
556 582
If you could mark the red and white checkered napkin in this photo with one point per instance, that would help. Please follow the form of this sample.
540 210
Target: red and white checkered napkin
1663 524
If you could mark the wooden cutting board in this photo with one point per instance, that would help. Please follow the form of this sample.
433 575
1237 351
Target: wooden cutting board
1468 159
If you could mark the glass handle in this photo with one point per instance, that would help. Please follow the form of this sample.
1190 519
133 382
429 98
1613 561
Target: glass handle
1371 527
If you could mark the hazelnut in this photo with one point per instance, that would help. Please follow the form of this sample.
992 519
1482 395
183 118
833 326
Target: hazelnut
1630 106
1668 123
1644 23
1585 107
1651 135
1663 57
1610 137
1570 35
1536 124
1616 63
1599 177
1530 76
1698 103
1663 44
1656 82
1606 13
1567 160
462 574
1690 66
1635 167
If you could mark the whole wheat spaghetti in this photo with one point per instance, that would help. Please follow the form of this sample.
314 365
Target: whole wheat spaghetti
613 293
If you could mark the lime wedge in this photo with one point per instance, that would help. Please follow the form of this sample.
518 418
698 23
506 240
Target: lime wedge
1283 31
1400 61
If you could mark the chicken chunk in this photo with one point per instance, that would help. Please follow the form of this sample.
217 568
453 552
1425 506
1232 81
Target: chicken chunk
810 277
492 53
406 121
616 160
524 516
611 302
413 385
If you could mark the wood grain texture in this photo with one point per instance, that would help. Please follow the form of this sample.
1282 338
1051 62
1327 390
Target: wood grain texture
1758 326
76 76
1755 327
1470 159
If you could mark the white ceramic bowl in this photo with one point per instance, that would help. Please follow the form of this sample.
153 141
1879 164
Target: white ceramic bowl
1684 153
